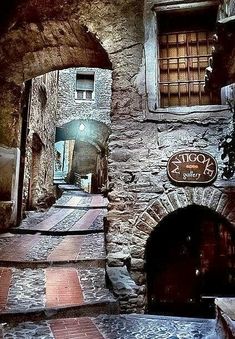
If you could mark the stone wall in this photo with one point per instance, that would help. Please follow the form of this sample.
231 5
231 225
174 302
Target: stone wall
38 179
69 108
139 150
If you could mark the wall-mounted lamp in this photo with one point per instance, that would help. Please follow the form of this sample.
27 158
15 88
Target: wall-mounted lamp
81 127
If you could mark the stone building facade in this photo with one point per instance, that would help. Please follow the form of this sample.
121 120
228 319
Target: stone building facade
38 176
71 108
121 35
90 113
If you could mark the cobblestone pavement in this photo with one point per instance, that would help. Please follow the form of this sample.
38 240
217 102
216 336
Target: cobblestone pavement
130 327
116 327
93 246
63 220
28 330
29 288
66 197
52 248
93 285
34 218
68 221
42 249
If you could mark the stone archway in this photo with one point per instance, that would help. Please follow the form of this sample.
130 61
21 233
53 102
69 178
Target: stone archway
39 38
89 150
209 197
50 45
188 260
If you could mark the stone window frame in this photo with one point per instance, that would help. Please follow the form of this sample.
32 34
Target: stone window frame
153 112
93 93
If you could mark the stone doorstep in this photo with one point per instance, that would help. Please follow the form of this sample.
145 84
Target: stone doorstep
228 325
84 231
81 263
80 207
226 316
165 317
93 309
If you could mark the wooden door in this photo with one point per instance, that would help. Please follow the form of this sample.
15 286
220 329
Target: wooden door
190 264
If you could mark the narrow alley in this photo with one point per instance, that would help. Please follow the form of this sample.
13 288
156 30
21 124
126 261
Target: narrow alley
54 284
117 169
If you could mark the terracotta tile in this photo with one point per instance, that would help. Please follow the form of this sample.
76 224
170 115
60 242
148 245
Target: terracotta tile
51 221
63 288
82 328
5 280
22 245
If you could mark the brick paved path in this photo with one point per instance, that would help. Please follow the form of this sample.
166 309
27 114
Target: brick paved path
53 266
40 272
115 327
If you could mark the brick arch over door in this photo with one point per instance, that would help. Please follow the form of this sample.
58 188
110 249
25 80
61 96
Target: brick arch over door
209 197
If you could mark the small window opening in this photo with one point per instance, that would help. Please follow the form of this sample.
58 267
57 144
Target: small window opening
85 86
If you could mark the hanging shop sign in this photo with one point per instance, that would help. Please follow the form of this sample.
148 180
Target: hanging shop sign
192 167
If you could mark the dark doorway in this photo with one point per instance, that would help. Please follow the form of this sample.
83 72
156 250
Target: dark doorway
190 258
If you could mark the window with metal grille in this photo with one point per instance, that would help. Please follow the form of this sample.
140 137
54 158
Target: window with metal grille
184 52
85 86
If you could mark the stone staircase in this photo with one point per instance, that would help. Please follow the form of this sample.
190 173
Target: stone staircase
53 281
225 317
53 264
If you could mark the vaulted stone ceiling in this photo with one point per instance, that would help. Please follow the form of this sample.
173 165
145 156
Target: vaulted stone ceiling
96 133
40 36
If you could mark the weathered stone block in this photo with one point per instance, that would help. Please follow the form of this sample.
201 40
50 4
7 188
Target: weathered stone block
137 264
6 209
166 203
215 199
121 281
137 251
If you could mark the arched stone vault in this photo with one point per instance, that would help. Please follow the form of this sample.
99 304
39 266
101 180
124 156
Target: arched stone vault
95 132
210 197
53 44
34 46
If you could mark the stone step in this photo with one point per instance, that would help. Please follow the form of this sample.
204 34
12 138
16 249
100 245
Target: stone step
55 233
51 292
225 314
81 207
38 314
67 187
63 220
81 198
83 327
41 251
114 327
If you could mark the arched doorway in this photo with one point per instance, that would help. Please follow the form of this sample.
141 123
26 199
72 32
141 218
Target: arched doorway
189 260
84 153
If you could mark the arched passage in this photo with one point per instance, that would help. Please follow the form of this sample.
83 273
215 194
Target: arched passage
86 142
36 39
41 47
189 259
